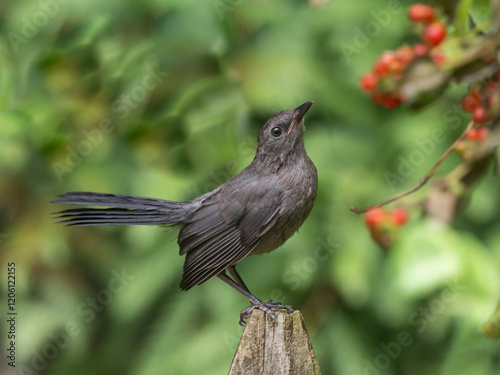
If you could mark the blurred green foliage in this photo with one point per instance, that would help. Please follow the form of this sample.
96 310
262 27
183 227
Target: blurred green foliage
164 99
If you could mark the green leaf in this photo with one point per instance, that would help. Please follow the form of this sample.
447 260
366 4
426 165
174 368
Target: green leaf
480 11
462 17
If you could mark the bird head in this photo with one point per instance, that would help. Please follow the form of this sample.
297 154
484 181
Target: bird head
282 133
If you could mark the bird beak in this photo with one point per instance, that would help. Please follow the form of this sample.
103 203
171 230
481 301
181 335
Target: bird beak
299 114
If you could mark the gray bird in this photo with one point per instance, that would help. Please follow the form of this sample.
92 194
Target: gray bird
252 213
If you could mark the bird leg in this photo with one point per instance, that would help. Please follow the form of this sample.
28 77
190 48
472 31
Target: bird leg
236 276
240 286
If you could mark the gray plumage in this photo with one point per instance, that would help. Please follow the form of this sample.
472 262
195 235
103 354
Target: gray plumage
254 212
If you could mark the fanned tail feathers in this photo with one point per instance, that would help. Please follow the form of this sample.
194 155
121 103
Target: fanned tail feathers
123 210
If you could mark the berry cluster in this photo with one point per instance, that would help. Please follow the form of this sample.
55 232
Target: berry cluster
434 31
478 102
479 99
384 224
390 66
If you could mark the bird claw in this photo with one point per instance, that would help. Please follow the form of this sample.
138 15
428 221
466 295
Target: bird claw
264 306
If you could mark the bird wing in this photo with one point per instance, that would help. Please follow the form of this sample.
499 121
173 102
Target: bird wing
227 226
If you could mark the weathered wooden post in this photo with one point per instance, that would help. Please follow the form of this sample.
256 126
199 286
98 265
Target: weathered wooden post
267 348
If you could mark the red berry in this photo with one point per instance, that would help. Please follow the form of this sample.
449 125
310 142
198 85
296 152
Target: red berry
405 55
478 134
472 135
387 57
399 216
479 115
387 100
434 33
438 57
375 218
420 49
396 68
490 86
390 101
381 67
369 81
421 13
483 133
474 91
470 103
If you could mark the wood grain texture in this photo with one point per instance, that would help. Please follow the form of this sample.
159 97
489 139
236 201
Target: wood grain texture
267 348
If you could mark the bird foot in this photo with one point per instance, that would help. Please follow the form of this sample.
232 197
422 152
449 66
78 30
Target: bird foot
264 306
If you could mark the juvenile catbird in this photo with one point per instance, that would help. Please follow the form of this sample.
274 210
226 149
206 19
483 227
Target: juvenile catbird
252 213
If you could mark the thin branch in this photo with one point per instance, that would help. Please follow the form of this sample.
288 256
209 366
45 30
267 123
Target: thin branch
424 180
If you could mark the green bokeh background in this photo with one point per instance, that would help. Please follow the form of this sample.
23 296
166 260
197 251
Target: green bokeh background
185 86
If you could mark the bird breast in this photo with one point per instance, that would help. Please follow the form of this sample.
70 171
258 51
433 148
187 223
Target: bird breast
298 191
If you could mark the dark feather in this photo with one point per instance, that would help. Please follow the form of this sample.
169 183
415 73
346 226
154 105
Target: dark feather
127 210
226 227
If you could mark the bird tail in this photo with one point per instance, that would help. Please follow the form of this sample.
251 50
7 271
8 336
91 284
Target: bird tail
124 210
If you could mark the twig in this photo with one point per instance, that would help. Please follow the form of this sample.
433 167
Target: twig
424 180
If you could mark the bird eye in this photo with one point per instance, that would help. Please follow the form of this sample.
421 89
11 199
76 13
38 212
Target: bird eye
276 132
